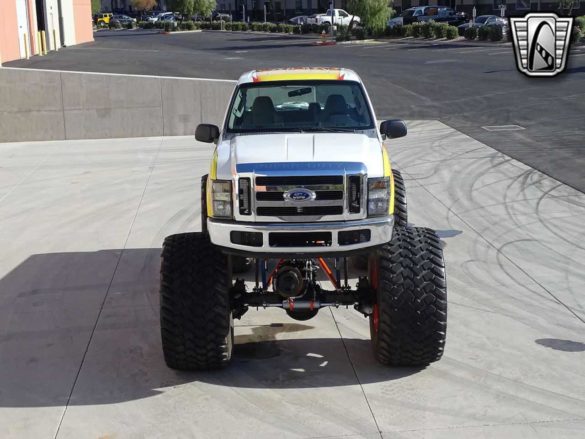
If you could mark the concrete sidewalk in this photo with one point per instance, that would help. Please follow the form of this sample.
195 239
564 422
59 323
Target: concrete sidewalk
81 225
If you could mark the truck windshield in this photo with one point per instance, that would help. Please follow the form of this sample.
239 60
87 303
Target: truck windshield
299 106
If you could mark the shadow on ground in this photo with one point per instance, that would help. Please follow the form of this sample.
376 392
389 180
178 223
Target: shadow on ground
561 345
126 33
51 323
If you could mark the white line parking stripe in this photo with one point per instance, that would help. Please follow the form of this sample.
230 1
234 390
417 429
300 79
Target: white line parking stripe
503 128
474 50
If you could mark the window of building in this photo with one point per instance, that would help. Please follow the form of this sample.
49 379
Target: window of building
498 3
522 4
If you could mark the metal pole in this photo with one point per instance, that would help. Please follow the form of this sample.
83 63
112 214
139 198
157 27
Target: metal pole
264 12
44 42
25 37
331 5
244 13
40 44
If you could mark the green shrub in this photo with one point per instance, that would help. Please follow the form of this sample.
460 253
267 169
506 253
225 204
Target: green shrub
130 25
228 25
296 30
452 32
395 31
187 25
416 30
406 31
483 33
168 26
576 34
441 30
313 28
470 33
205 25
342 36
427 30
580 23
359 33
115 25
255 26
284 28
495 33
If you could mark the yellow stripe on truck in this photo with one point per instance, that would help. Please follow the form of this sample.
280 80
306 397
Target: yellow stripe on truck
210 179
388 173
299 76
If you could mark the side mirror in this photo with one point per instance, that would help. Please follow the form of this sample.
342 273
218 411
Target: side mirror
393 128
207 133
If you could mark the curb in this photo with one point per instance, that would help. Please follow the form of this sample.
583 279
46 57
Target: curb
252 32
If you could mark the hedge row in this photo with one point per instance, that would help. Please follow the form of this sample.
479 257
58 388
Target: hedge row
484 33
425 30
235 26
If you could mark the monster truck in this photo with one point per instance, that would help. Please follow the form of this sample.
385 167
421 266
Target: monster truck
300 181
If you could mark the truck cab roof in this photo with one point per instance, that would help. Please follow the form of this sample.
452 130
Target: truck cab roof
299 74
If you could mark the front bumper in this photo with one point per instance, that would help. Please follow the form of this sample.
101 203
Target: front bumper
321 238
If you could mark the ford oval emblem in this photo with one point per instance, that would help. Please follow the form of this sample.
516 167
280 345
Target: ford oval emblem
299 195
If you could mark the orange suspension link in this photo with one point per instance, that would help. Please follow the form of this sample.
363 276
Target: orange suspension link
328 272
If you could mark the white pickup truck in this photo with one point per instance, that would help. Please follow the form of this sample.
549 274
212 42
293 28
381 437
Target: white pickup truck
339 18
299 182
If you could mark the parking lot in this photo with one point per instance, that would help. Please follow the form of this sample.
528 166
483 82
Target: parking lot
82 223
493 161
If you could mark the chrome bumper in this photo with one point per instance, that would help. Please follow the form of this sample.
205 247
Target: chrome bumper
222 234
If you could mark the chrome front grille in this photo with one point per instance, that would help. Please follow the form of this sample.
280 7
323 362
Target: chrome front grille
327 196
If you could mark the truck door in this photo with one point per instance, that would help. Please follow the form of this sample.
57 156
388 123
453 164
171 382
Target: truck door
343 18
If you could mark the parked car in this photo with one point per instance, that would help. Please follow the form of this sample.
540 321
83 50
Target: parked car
103 19
426 13
301 19
123 19
164 16
340 17
218 16
485 20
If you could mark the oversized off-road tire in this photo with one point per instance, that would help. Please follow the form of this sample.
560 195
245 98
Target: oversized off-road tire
400 206
400 214
195 316
409 323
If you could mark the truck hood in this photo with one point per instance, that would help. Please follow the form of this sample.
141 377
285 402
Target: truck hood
258 150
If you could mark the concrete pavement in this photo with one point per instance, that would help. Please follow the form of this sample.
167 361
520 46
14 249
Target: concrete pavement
81 224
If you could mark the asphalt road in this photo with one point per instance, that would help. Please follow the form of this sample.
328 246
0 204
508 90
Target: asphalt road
465 85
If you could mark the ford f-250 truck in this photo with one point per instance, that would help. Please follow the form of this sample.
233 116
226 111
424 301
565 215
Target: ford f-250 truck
300 181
